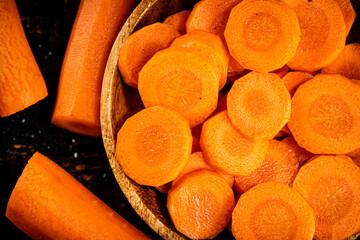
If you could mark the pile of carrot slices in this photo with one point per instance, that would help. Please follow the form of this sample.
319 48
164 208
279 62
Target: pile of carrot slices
252 118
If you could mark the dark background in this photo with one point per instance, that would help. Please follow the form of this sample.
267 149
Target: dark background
47 25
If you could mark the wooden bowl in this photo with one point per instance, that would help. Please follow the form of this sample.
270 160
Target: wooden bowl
119 101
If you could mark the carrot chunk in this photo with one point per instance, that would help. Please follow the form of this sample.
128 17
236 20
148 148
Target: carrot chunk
258 105
347 63
325 115
178 20
293 80
262 35
181 79
330 184
323 33
200 204
154 145
301 154
226 150
272 210
140 46
280 165
210 45
21 82
349 14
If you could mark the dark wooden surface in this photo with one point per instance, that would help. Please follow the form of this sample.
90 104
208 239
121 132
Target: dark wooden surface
47 25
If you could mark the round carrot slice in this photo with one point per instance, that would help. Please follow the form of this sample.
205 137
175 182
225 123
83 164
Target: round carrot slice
325 115
210 45
330 184
323 33
259 105
154 145
262 35
200 204
272 210
226 150
280 165
178 20
182 79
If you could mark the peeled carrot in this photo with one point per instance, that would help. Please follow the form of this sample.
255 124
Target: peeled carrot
272 210
153 146
226 150
262 35
178 20
323 33
97 23
330 184
325 115
210 45
301 154
349 14
200 204
140 46
258 105
21 82
197 162
293 80
347 63
280 165
182 79
48 203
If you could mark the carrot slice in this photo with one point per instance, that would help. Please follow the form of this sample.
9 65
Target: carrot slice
21 82
347 63
280 165
200 204
181 79
293 80
153 146
349 14
323 33
178 20
262 35
272 210
301 154
330 184
325 115
197 162
210 45
259 105
226 150
49 203
281 72
140 46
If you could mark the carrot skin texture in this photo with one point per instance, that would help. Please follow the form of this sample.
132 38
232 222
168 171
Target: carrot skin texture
21 82
48 203
77 106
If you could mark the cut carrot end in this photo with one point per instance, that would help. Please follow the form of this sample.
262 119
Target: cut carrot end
178 21
272 210
200 204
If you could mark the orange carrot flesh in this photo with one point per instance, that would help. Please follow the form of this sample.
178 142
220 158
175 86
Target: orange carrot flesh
281 72
200 204
272 210
181 79
349 13
301 154
325 115
97 23
21 82
323 33
226 150
197 162
140 46
258 105
48 203
210 45
280 165
293 80
330 186
355 154
153 146
262 35
178 20
347 63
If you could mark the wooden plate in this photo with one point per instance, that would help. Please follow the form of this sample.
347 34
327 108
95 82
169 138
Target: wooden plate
119 101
